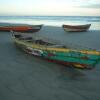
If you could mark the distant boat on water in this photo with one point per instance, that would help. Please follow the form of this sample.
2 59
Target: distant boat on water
85 59
21 28
76 28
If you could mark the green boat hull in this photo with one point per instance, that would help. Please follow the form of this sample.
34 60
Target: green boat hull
79 59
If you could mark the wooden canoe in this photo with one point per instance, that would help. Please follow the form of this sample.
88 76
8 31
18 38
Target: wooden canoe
76 28
85 59
24 29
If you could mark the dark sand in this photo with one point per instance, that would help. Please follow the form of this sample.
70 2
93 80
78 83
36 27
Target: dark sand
24 77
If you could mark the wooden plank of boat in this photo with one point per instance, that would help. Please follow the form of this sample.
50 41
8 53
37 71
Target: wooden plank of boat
59 54
76 28
26 28
5 28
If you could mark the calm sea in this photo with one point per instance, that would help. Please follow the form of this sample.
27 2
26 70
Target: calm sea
54 20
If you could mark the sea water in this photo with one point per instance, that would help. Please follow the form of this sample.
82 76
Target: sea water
54 20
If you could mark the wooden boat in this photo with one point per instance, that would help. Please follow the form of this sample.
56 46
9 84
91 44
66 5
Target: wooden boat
23 29
85 59
76 28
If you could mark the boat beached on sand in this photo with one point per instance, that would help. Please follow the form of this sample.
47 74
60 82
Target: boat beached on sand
76 28
85 59
21 28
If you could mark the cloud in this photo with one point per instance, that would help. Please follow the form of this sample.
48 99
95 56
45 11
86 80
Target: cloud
93 6
88 3
97 6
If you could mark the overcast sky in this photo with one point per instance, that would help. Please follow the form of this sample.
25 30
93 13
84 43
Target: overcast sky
50 7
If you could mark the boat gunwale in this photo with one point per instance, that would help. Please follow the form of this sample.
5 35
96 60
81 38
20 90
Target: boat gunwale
44 47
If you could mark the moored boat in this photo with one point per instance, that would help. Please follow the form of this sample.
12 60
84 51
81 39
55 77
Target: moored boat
23 28
85 59
76 28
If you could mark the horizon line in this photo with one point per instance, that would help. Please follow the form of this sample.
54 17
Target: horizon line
50 15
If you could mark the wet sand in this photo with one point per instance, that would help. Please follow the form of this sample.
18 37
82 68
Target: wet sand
25 77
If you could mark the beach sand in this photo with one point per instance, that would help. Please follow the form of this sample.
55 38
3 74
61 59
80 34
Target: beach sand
25 77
